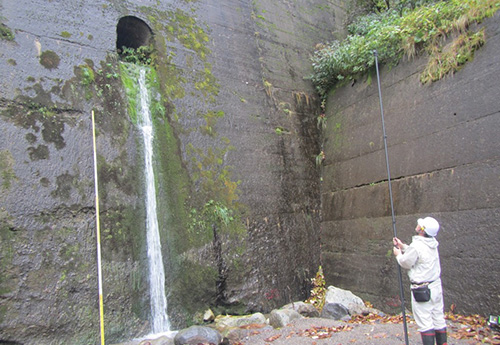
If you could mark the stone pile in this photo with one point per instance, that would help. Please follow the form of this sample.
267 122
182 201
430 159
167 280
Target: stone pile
227 329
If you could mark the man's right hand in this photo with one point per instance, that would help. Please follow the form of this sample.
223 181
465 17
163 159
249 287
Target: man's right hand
397 243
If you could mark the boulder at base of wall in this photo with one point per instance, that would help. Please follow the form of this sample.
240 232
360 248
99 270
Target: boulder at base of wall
282 317
353 303
335 311
195 335
304 309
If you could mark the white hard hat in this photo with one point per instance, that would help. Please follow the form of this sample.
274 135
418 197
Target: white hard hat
429 225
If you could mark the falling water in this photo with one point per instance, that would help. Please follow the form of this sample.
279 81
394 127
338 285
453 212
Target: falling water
159 318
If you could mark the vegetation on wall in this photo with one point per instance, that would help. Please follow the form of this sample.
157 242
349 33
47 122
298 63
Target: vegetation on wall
7 174
181 60
142 55
211 176
6 33
403 28
49 59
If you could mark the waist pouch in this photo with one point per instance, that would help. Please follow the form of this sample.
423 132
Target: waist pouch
421 292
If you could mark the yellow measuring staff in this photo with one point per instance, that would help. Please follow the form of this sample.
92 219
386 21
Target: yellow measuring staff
98 235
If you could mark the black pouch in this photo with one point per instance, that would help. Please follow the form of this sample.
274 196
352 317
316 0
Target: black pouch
421 293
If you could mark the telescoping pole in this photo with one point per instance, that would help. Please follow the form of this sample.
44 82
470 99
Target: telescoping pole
98 235
401 291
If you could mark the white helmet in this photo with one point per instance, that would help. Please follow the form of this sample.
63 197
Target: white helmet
429 225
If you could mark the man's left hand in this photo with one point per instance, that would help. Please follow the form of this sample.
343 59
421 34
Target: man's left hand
396 251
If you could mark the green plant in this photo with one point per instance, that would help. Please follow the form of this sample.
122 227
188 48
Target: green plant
142 55
214 219
320 158
321 121
452 59
87 75
394 34
6 33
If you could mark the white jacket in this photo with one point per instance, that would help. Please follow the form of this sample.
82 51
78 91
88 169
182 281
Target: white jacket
421 258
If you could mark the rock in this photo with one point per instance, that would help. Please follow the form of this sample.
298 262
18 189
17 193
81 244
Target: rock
164 340
209 316
353 303
334 311
282 317
304 309
222 322
239 334
195 335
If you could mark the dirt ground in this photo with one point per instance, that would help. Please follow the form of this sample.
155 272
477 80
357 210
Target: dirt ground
370 330
317 331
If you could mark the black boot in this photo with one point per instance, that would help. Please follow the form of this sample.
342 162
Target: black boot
441 337
428 337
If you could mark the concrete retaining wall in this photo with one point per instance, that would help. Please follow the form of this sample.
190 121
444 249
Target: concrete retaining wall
443 147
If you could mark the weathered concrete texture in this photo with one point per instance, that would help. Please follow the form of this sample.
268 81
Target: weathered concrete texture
260 54
48 278
61 65
443 150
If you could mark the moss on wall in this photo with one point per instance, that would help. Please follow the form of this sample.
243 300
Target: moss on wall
6 254
6 33
49 59
7 174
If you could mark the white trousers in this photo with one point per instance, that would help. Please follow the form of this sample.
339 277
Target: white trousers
430 315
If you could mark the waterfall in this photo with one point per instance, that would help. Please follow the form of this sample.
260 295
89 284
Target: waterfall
159 318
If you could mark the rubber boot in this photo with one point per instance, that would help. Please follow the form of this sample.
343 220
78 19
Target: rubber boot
441 337
428 337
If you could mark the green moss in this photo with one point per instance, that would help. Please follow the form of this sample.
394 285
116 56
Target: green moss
175 197
12 62
122 232
65 34
119 173
49 59
86 73
38 153
129 76
7 174
5 33
6 253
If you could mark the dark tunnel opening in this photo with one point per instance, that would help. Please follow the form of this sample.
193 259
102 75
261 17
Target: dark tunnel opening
132 35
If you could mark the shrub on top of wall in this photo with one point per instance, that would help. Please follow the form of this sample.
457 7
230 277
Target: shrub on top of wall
395 33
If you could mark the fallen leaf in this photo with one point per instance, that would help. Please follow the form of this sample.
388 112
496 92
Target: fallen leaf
273 338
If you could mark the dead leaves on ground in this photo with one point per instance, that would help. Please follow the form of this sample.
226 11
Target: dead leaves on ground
313 333
473 327
375 318
323 332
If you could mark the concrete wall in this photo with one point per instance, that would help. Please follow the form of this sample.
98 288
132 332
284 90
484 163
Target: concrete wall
444 161
255 58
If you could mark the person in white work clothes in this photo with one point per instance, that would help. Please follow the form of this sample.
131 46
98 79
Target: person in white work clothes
421 258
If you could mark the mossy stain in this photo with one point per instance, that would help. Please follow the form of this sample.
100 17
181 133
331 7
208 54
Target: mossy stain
49 59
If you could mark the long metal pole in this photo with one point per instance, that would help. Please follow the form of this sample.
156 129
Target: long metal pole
401 291
98 235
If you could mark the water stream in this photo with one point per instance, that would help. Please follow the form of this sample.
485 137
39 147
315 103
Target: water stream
159 318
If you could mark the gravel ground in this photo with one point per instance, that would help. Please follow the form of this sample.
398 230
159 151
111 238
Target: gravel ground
317 331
